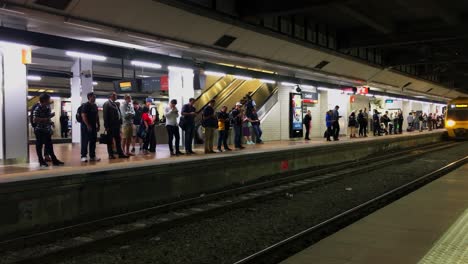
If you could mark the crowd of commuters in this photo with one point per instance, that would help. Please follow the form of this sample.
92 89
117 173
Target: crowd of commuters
132 125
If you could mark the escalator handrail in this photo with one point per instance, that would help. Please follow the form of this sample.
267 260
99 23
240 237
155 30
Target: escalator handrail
207 89
216 96
275 89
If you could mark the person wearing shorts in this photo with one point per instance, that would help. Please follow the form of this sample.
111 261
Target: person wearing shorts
128 113
136 126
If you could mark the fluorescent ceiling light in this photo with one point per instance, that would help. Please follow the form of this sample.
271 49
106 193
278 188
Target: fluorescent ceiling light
288 84
240 77
76 24
179 69
95 83
308 86
118 43
267 81
34 78
81 55
55 98
324 89
145 64
143 76
213 73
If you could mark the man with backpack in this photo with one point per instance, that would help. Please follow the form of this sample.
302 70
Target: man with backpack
89 119
306 121
42 123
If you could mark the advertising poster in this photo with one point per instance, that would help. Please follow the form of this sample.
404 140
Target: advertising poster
295 115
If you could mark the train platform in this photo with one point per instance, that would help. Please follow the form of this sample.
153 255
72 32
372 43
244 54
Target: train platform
70 154
38 199
429 225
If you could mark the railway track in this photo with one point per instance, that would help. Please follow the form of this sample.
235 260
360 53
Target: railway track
94 235
305 238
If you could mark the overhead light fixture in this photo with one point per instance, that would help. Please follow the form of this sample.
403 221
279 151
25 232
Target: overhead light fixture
324 89
308 86
179 69
69 22
82 55
240 77
267 81
95 83
145 64
118 43
34 78
213 73
288 84
143 76
3 9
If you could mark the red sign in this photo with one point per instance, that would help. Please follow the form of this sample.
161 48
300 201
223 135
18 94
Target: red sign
352 99
165 83
284 165
363 90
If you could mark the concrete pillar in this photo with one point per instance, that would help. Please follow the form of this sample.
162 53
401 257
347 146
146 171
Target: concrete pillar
181 88
13 105
81 85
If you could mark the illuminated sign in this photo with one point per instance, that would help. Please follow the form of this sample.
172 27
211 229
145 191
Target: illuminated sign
352 99
362 90
389 101
459 106
125 86
309 98
26 56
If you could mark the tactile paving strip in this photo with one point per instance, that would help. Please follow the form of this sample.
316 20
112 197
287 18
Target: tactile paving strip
452 247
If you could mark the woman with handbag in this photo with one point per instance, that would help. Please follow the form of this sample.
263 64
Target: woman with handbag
146 129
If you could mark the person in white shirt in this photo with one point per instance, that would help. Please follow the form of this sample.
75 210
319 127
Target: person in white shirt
128 113
172 113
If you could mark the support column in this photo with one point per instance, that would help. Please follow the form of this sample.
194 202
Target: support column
13 105
81 85
181 88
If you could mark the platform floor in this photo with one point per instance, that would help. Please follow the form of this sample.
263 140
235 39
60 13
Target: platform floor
70 154
429 225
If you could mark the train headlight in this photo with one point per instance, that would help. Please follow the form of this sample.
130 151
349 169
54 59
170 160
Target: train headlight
450 123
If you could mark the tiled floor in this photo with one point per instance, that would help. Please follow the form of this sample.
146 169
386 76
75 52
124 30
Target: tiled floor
427 226
70 154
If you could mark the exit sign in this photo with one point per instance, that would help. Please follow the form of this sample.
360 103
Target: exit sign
389 101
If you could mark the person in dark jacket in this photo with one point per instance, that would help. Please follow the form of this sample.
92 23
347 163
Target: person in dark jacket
189 113
64 124
336 123
223 129
376 123
400 122
352 122
306 121
329 124
112 124
209 123
236 118
361 121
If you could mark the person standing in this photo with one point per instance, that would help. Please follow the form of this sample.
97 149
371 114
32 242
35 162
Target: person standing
352 124
236 117
365 113
430 121
421 122
64 124
112 124
172 113
400 121
329 124
246 125
395 123
390 124
306 121
209 122
189 113
385 120
376 123
361 120
410 120
89 127
41 116
223 129
154 115
136 125
256 126
128 114
336 123
147 123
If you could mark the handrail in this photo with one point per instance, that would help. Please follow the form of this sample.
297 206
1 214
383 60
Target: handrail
268 105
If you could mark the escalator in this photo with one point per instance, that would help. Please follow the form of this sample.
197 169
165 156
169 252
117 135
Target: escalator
238 94
212 91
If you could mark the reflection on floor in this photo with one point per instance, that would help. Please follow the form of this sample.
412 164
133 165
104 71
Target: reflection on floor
70 154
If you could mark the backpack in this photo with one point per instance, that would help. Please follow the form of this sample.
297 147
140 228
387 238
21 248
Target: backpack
31 116
78 117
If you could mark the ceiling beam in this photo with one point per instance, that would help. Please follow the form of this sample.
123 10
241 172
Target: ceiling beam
443 11
282 8
379 24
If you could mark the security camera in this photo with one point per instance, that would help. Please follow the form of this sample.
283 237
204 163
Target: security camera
87 74
298 89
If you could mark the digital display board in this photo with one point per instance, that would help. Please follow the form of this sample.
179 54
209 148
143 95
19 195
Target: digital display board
295 115
151 85
126 86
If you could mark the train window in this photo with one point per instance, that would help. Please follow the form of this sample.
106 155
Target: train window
460 113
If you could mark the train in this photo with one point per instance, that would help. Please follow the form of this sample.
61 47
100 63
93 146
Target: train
456 118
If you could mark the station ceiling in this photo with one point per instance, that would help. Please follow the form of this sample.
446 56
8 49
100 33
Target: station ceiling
431 35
